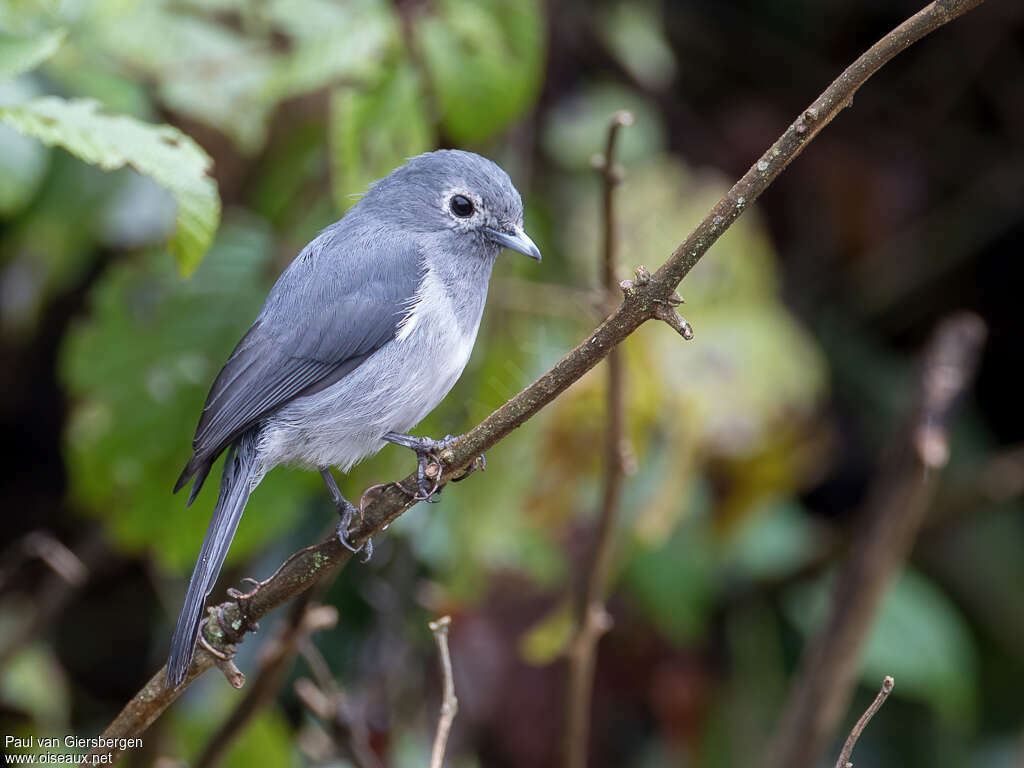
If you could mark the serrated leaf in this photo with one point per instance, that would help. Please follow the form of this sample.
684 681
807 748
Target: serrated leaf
162 152
23 54
234 78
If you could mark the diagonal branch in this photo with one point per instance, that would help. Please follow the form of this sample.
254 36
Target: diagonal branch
641 302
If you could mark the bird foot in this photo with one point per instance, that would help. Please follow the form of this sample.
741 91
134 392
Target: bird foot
348 512
429 464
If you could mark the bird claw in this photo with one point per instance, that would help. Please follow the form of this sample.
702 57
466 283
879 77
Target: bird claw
428 454
480 462
242 600
348 512
424 490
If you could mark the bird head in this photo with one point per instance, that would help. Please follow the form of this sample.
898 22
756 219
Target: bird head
454 199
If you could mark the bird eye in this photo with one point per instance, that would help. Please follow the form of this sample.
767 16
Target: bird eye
461 206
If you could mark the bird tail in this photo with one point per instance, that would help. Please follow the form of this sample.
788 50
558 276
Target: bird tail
241 469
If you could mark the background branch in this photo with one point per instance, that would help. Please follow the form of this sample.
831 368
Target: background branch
851 741
382 504
592 620
892 515
449 703
304 619
329 703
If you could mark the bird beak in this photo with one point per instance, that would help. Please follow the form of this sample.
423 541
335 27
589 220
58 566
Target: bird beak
517 240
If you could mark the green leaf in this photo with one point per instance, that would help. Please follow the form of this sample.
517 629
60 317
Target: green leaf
777 539
485 59
233 78
919 637
672 581
577 127
23 54
137 370
635 34
373 130
161 152
546 640
23 162
34 682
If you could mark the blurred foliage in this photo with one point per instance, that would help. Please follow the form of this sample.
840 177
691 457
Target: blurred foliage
136 371
748 446
919 632
111 142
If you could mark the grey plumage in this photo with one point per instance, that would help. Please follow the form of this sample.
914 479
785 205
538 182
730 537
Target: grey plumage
362 335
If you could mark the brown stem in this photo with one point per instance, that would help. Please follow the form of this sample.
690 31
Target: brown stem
449 704
331 705
591 617
382 504
891 517
851 741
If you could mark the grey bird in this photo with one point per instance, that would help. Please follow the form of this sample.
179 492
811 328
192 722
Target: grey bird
362 336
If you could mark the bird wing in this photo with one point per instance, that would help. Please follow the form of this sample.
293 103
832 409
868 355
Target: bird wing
325 315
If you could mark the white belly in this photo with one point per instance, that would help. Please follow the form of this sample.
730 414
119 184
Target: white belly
390 392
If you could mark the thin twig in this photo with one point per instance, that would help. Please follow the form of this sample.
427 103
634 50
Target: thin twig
886 528
862 723
328 702
592 620
449 704
380 505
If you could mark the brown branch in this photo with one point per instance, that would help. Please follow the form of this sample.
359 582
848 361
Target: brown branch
304 619
851 741
382 504
328 702
890 520
449 704
591 618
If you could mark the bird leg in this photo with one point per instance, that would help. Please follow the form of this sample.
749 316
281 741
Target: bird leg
428 452
347 511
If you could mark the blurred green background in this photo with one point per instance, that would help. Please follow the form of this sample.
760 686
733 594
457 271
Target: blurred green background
753 444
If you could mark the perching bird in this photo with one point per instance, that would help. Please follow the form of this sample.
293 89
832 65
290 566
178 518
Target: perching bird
361 337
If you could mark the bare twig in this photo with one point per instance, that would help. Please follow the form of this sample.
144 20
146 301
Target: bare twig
892 515
592 620
851 741
449 704
328 702
382 504
303 620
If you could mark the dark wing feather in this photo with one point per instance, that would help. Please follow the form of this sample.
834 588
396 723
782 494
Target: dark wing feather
328 312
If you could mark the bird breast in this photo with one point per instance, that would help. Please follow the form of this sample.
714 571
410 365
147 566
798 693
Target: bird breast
390 392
